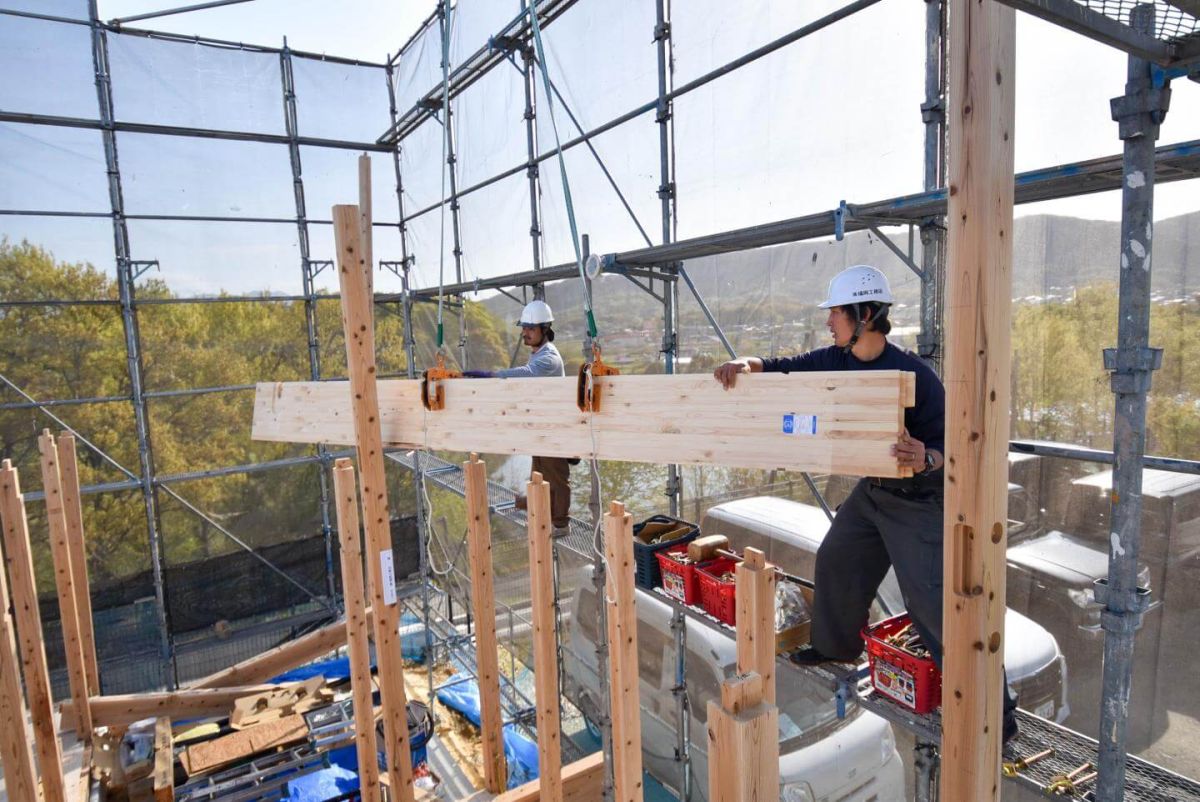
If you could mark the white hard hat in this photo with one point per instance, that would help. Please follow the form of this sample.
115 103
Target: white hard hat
536 312
856 285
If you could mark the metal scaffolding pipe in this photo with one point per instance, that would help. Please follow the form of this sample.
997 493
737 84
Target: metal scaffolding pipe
1131 364
125 288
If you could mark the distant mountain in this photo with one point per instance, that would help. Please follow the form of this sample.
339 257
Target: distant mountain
1052 255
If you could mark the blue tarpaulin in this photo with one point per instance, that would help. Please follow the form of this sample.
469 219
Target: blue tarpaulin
412 647
461 693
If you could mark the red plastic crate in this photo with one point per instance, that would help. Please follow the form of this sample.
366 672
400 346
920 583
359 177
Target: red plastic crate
913 682
678 579
716 597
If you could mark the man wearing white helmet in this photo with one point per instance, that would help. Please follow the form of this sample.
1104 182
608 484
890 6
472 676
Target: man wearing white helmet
884 523
537 333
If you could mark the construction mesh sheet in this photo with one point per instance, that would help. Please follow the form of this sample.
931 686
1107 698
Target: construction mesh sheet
1171 21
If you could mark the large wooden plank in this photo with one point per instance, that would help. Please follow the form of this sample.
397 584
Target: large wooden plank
353 588
483 603
20 777
64 583
686 418
621 604
19 560
354 277
68 468
581 782
755 625
204 757
979 224
545 660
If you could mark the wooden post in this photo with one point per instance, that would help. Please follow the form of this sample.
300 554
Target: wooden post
359 322
743 743
346 492
19 560
622 655
483 604
20 779
756 582
164 761
545 661
68 469
977 373
64 582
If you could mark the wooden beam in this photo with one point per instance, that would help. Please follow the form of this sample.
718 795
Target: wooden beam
68 468
545 660
755 622
281 701
346 493
20 779
483 604
622 655
19 559
977 376
358 320
843 422
124 709
64 583
743 745
164 761
271 663
581 782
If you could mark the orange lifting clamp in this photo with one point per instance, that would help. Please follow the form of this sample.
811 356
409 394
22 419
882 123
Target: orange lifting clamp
431 379
587 390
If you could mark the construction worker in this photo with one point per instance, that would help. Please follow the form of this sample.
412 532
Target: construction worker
884 523
537 333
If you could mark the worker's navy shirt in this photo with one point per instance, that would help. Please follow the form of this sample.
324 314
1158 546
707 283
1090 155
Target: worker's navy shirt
926 420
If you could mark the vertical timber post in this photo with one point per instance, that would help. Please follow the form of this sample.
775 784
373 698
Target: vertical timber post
545 663
353 588
483 603
977 377
623 655
360 360
1131 365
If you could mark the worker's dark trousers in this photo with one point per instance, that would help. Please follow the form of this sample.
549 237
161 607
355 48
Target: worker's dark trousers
877 528
556 471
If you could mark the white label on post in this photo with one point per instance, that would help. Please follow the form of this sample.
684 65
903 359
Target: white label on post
388 569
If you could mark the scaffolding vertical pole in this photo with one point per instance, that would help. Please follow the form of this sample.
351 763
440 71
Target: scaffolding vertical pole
933 230
666 195
310 292
410 358
133 353
452 173
1131 364
531 170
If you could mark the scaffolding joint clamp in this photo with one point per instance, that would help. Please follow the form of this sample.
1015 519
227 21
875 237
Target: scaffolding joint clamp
664 113
662 31
1132 369
933 111
667 191
1141 111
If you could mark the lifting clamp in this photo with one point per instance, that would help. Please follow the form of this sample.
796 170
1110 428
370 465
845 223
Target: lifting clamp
587 389
433 393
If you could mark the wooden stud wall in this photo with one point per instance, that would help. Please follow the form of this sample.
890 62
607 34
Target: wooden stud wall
19 560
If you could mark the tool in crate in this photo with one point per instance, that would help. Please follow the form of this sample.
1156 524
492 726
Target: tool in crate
902 669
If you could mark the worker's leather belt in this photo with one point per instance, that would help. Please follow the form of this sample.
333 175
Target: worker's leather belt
919 482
